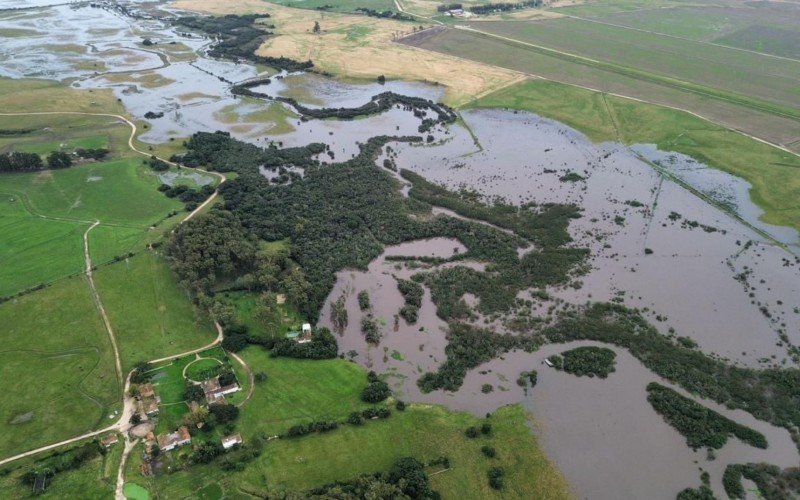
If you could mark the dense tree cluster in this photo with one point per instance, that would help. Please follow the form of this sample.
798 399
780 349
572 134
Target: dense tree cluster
490 8
375 392
384 14
589 361
224 413
701 426
412 295
772 482
405 480
18 161
370 329
449 6
318 426
322 346
92 153
211 248
701 493
59 159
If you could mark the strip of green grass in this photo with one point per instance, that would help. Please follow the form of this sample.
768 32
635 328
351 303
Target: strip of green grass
57 361
152 316
772 172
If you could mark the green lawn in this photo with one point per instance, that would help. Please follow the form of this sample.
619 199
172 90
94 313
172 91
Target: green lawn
57 353
772 172
300 391
152 316
35 250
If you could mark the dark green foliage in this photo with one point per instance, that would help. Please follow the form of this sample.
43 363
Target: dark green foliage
701 427
472 432
771 394
224 413
209 248
59 159
193 392
412 294
572 177
369 327
487 388
489 8
355 418
20 162
496 476
409 313
589 361
732 481
772 482
488 451
400 405
159 166
528 378
319 426
93 154
322 346
363 300
140 373
227 377
234 343
384 14
486 429
467 348
260 377
61 461
205 452
701 493
375 392
406 479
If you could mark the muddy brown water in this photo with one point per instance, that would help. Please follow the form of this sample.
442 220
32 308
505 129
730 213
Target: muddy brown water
711 285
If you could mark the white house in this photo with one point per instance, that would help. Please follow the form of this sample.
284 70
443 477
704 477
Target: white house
229 442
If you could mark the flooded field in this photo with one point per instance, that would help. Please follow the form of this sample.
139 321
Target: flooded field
667 235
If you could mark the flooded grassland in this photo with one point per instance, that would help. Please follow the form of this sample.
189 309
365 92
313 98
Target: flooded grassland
681 242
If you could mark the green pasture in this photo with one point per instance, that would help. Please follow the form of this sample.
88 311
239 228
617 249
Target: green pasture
116 192
58 354
772 172
152 316
35 250
702 64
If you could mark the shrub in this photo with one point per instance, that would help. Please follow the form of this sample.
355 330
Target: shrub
400 405
486 429
487 388
488 451
472 432
496 478
375 392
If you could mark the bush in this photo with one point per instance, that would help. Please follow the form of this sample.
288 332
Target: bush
489 451
487 388
355 418
400 405
486 429
375 392
260 377
472 432
224 413
496 478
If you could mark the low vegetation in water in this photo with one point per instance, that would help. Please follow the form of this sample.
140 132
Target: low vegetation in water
701 426
773 483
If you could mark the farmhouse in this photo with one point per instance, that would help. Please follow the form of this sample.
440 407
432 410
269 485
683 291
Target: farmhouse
167 442
215 393
109 440
229 442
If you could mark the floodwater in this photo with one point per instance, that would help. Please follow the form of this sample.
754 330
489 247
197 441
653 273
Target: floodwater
691 266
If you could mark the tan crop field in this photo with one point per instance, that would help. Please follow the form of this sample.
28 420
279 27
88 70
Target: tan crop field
366 55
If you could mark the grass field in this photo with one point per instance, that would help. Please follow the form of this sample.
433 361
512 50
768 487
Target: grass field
336 51
95 480
772 172
59 358
297 391
152 316
339 5
544 63
699 63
